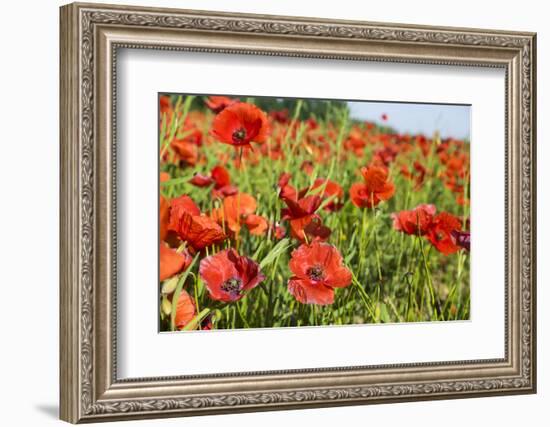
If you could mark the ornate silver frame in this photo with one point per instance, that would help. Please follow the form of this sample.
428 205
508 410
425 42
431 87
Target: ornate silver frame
90 36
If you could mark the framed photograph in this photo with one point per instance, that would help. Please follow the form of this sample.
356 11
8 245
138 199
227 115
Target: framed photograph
266 212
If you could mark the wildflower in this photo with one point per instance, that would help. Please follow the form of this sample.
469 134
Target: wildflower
416 221
441 231
317 269
227 275
240 124
375 188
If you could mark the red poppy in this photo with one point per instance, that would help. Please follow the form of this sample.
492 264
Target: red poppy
441 233
462 239
416 221
240 124
317 269
330 190
164 217
198 230
286 191
185 310
300 213
227 275
222 182
280 116
384 117
218 103
375 188
200 180
172 262
219 176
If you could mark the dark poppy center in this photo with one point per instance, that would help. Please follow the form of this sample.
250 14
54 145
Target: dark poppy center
239 135
232 286
439 236
316 273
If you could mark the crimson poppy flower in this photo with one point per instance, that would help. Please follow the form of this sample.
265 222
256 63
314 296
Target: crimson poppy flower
384 117
191 226
441 231
219 176
375 188
280 116
317 269
240 124
228 276
222 182
462 239
172 262
286 191
300 213
200 180
218 103
164 217
330 190
416 221
185 310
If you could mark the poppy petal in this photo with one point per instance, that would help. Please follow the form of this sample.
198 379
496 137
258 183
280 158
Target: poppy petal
308 293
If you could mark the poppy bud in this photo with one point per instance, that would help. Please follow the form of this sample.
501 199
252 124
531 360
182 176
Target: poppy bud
169 285
166 306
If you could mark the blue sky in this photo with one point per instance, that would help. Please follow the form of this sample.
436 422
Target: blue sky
449 120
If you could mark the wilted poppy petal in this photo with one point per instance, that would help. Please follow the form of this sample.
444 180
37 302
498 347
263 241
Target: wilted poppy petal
199 180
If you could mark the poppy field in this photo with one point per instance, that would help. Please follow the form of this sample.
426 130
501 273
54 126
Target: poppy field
289 212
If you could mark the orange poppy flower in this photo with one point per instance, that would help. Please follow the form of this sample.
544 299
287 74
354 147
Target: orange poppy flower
218 103
191 226
374 189
240 124
227 275
416 221
186 151
185 310
165 105
441 231
172 262
317 269
240 209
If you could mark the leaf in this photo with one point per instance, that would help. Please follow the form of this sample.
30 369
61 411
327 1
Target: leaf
277 250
